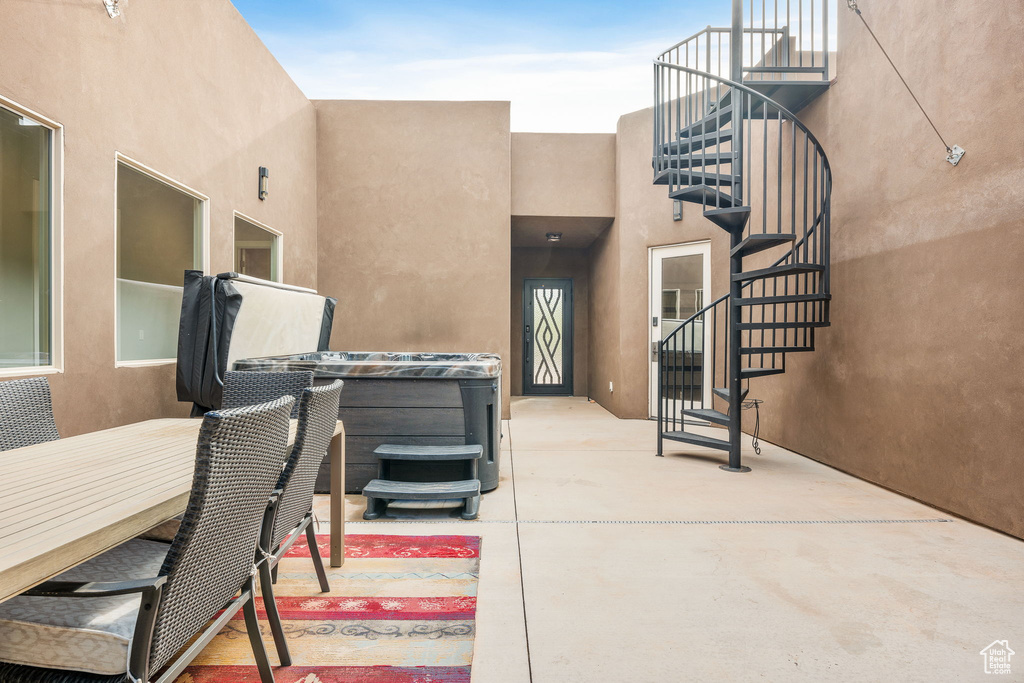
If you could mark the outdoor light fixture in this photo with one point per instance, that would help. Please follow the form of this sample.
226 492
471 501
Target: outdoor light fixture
554 237
264 182
677 209
112 8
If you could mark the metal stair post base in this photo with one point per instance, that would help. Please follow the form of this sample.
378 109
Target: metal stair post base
727 468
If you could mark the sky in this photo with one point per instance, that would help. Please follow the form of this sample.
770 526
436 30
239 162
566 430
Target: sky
570 67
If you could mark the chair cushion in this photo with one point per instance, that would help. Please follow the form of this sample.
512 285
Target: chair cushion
81 634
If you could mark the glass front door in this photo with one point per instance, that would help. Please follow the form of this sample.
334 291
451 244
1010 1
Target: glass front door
547 336
680 287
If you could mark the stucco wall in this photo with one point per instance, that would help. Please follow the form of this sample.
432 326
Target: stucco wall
918 383
552 262
563 174
620 277
189 90
414 206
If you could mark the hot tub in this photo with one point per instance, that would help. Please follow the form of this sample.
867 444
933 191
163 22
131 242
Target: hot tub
406 398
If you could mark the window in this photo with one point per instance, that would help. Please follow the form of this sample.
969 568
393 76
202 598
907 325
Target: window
257 250
29 242
159 236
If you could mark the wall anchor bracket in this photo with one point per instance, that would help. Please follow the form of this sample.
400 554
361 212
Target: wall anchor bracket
955 155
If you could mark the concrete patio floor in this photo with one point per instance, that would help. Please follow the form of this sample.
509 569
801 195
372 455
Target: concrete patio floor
602 562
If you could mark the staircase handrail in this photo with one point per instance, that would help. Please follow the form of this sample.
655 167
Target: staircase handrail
764 98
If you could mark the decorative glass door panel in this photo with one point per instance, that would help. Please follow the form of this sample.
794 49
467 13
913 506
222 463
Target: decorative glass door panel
547 336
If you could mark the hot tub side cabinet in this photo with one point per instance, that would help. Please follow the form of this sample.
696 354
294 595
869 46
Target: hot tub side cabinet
442 399
421 411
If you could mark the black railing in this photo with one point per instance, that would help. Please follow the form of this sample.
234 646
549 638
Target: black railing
780 40
722 144
692 360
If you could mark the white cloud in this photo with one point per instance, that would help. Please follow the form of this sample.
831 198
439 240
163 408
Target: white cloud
573 92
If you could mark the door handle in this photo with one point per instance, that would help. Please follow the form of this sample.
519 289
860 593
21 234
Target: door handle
654 351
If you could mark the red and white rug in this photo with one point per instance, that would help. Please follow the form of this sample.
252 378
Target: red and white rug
400 610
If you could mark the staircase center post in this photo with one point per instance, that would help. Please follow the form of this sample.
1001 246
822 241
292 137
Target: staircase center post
735 237
736 43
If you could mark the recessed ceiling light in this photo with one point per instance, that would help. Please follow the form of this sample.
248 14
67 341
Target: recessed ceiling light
554 237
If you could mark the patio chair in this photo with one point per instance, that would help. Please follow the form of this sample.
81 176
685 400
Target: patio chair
26 414
122 616
242 388
290 513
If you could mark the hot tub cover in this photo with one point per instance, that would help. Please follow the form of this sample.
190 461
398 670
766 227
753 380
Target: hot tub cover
229 315
357 364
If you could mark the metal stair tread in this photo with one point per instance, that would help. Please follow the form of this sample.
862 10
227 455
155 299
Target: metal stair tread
685 145
390 451
758 350
710 123
422 490
697 440
703 194
781 299
686 160
723 393
778 271
759 242
686 177
792 94
747 373
730 217
708 414
691 177
783 325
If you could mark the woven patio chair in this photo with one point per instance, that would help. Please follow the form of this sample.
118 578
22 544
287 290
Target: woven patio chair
290 513
242 388
26 414
122 616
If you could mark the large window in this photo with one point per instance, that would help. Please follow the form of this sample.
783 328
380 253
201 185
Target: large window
29 301
159 236
257 250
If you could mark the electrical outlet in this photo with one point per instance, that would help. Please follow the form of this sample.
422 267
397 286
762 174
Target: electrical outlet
142 335
611 387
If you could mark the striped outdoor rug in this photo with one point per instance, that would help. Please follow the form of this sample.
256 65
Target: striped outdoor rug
401 610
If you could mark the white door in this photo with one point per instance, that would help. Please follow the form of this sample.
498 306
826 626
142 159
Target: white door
680 287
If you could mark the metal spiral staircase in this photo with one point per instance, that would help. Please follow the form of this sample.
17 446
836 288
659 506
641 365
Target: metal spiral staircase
732 145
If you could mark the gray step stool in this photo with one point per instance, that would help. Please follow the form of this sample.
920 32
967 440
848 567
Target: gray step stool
383 490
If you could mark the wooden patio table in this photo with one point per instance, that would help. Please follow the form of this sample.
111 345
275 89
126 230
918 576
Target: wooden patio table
65 501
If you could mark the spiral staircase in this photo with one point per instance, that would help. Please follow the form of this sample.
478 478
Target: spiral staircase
727 140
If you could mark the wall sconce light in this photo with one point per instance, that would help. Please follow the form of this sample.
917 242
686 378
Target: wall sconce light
264 182
677 209
113 11
554 237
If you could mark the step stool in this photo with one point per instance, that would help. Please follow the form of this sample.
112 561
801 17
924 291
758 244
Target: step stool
383 490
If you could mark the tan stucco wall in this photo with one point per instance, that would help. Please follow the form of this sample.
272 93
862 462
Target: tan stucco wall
917 385
563 174
189 90
620 287
552 262
414 206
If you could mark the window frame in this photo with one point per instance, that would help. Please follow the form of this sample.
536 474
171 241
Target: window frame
56 129
204 242
278 262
